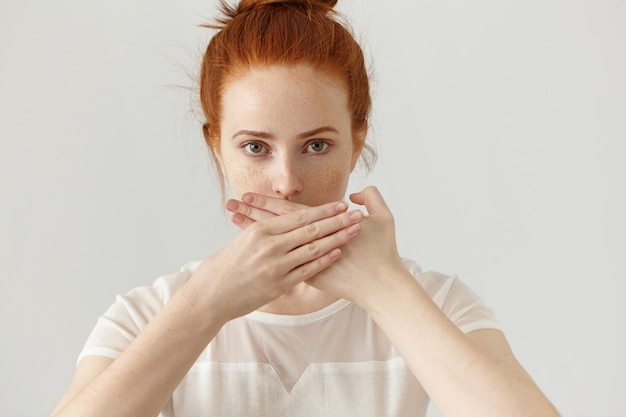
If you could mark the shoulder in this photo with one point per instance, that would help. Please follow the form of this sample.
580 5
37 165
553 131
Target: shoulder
131 312
436 284
456 299
139 305
163 288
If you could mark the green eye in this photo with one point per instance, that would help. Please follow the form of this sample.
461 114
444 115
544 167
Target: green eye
254 148
317 146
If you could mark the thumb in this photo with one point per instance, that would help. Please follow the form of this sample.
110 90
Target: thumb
371 198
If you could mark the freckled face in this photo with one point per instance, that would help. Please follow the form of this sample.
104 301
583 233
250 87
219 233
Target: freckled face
286 132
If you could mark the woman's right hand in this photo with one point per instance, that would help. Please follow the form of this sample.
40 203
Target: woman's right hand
271 256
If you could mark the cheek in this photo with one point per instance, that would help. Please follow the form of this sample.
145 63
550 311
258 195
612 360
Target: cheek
322 181
327 183
244 178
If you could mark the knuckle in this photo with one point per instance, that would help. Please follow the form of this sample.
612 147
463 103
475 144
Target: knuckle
310 269
289 209
312 230
300 218
257 229
265 270
303 272
274 273
343 221
313 249
260 201
246 210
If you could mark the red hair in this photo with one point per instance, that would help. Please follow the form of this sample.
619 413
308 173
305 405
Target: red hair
282 32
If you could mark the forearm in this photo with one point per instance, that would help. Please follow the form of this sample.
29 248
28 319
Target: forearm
461 377
265 261
140 382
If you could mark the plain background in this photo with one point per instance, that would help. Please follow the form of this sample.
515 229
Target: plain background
501 132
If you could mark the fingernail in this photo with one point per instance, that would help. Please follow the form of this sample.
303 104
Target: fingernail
238 218
356 215
248 198
341 206
334 254
232 205
354 229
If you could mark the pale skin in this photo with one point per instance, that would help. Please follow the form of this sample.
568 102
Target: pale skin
286 151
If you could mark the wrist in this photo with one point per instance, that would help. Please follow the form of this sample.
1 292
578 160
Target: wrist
395 285
207 309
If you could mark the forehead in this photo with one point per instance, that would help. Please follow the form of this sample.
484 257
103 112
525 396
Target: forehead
285 92
302 75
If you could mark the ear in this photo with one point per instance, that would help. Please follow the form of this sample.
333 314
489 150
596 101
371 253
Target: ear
358 142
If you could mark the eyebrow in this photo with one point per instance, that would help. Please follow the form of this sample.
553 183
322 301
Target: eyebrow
265 135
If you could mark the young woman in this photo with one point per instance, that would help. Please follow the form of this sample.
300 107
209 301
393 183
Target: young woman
310 311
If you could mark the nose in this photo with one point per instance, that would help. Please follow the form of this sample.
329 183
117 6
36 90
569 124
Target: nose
287 178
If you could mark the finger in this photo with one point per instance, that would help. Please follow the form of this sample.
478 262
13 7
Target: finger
241 220
317 248
373 201
274 205
286 223
310 269
312 232
250 212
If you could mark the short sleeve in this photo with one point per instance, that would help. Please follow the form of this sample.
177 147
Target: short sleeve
130 313
455 299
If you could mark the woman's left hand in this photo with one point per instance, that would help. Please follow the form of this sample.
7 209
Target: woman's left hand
370 264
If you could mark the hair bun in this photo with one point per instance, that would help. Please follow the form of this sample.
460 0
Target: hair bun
230 12
330 3
246 5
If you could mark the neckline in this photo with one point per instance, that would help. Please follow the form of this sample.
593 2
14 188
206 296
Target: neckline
299 319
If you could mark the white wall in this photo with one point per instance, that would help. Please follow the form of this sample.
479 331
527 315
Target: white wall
501 129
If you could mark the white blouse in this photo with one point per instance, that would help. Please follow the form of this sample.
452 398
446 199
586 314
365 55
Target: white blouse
332 362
